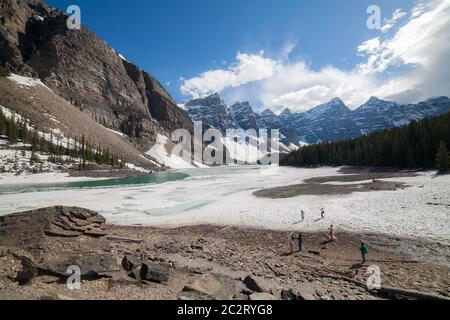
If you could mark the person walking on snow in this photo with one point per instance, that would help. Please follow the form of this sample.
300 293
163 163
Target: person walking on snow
303 215
364 251
322 213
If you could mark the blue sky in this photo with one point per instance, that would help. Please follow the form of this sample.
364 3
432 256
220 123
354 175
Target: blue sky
176 40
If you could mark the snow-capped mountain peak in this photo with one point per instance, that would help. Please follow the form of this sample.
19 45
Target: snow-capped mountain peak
330 121
376 103
285 112
333 108
244 116
211 110
268 112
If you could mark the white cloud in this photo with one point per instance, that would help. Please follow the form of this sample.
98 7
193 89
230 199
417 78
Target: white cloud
408 66
248 68
418 9
423 45
416 43
298 87
396 16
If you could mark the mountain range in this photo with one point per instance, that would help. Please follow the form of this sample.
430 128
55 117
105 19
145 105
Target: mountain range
331 121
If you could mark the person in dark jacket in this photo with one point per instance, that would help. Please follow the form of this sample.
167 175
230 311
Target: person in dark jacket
300 242
364 251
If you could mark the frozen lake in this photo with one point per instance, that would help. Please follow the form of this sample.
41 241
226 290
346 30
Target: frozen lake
224 196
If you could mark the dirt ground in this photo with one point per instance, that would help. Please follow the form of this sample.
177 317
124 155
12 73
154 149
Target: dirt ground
354 179
324 270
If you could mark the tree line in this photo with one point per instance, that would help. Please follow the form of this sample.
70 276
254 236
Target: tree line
81 149
421 144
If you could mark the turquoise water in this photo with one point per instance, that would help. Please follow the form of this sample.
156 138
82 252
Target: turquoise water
155 178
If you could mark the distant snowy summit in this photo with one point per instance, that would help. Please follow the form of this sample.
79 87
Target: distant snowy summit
331 121
213 112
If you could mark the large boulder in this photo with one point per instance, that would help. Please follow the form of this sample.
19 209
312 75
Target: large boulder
57 238
130 263
28 270
144 270
155 272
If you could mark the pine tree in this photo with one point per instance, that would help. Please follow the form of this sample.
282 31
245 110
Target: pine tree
4 72
34 158
11 129
2 123
442 158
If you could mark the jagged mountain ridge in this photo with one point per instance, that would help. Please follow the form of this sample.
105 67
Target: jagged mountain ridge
331 121
84 70
213 112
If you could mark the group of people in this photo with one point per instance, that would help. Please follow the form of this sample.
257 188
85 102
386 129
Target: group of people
364 249
322 214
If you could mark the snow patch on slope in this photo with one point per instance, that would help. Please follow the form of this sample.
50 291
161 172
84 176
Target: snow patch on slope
123 135
55 137
136 168
26 81
123 58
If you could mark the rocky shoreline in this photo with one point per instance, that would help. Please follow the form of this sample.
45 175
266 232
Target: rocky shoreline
109 173
205 262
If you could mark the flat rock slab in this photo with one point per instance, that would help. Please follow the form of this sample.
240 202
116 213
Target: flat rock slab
215 286
59 237
260 285
262 297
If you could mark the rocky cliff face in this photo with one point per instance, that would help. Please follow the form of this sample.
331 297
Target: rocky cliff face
330 121
212 111
373 115
86 71
244 116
